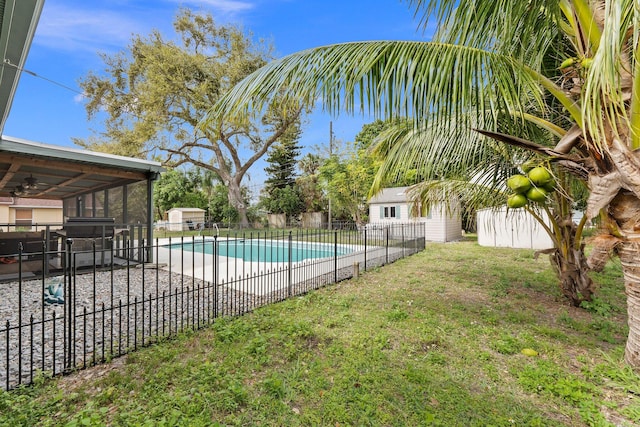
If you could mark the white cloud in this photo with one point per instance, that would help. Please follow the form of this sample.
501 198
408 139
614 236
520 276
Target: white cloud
71 28
79 98
227 6
92 26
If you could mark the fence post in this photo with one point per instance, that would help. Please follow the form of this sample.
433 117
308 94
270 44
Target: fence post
365 249
215 277
335 256
386 246
68 308
403 241
290 284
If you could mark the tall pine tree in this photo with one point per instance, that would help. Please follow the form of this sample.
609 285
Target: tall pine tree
281 193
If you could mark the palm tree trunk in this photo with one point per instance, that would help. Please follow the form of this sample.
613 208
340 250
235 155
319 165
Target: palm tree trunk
568 258
629 253
571 270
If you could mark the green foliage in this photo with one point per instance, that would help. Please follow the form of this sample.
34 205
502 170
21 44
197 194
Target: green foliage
287 200
310 189
282 159
177 188
598 306
195 188
219 208
347 178
369 132
281 193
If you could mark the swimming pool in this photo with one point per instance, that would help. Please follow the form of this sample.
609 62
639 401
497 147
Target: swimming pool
264 250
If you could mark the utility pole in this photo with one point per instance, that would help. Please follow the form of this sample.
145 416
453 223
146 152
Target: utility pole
330 153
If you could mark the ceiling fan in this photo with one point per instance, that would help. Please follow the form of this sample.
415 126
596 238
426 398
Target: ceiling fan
30 184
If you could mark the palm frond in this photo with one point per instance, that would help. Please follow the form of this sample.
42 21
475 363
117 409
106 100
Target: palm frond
609 82
421 80
469 196
434 152
525 30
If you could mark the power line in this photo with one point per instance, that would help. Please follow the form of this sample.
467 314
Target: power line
9 63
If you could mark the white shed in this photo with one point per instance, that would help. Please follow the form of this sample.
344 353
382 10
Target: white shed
185 218
391 206
512 228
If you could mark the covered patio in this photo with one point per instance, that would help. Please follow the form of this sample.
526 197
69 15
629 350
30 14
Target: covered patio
107 201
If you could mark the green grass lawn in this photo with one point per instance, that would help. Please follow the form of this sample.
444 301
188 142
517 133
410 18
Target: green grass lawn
434 339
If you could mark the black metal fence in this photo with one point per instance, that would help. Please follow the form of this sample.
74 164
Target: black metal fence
78 306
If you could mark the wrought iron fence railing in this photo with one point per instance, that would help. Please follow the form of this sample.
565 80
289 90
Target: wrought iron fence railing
79 305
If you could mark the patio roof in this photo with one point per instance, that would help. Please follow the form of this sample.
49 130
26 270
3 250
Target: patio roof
62 172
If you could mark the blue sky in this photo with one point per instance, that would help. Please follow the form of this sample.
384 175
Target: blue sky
71 33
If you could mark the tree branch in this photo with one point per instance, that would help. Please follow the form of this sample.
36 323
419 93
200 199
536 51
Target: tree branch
523 143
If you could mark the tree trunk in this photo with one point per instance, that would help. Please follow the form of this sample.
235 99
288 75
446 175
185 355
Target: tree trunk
572 271
624 209
237 201
570 264
629 253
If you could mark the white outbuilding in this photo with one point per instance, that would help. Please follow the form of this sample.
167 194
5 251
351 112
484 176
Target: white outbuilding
185 218
392 206
512 228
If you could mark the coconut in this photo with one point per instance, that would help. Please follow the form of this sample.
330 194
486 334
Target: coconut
519 183
537 194
550 186
516 201
539 176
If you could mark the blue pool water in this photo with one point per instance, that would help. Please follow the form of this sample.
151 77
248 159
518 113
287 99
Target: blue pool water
264 250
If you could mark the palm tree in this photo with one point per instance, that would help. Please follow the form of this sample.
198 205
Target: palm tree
476 172
485 56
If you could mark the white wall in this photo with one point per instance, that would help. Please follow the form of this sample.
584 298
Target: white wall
515 228
439 227
178 218
377 216
47 216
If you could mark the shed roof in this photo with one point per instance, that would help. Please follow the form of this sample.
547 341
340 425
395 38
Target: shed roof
390 195
187 210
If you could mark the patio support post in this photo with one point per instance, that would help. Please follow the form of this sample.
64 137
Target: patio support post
150 180
45 251
20 250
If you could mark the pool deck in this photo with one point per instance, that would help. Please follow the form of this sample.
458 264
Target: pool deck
257 277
